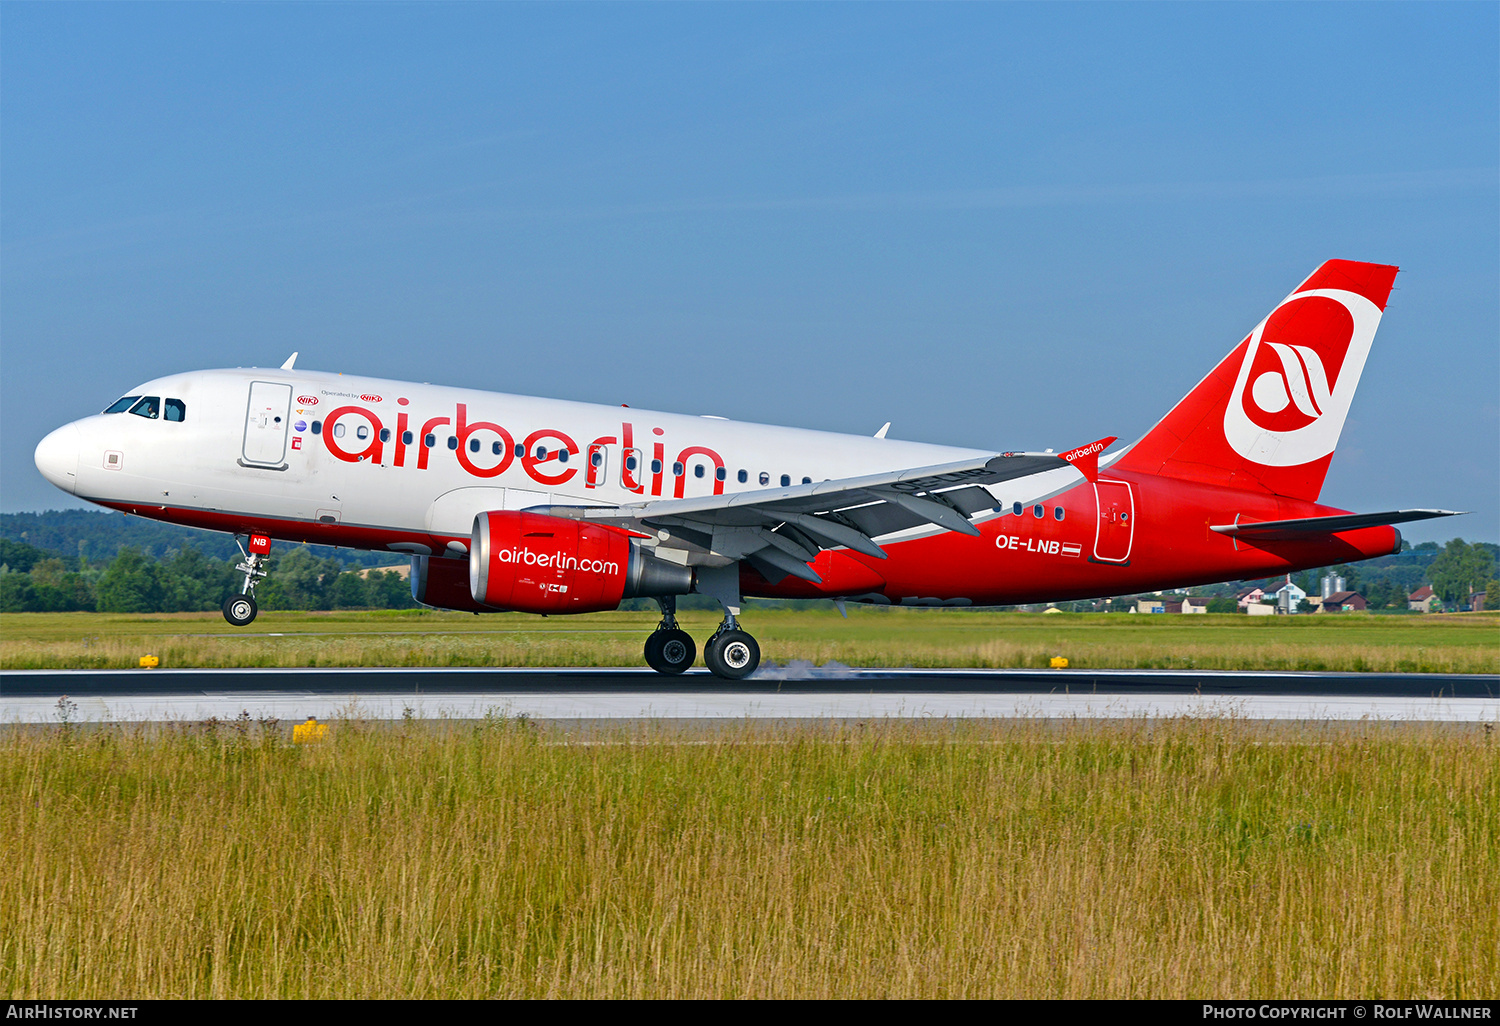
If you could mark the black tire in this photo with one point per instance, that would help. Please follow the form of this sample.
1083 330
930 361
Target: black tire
239 610
670 652
732 655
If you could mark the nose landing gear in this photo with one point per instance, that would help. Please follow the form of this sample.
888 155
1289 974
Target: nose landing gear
240 609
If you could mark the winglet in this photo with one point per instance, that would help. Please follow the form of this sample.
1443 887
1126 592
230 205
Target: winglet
882 431
290 362
1086 457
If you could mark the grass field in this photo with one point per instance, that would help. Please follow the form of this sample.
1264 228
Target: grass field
1462 643
1171 860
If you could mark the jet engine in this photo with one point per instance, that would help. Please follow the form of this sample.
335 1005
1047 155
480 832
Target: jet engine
536 563
443 583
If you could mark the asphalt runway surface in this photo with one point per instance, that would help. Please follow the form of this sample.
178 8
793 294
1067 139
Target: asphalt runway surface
799 691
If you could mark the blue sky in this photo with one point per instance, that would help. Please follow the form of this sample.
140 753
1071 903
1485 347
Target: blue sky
1008 226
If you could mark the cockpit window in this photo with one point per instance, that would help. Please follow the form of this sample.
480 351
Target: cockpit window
149 407
121 405
176 409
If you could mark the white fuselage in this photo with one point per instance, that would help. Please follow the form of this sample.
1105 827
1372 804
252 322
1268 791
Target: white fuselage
328 449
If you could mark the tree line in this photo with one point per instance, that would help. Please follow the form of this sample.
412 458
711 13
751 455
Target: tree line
186 580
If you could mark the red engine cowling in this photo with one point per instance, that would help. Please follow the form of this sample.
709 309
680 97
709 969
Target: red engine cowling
443 583
536 563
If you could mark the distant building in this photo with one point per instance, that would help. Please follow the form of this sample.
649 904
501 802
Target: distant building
1422 600
1344 602
1150 605
1289 596
1332 583
1250 597
1260 609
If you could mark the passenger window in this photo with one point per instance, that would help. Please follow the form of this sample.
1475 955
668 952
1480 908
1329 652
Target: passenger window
541 453
473 445
807 480
429 440
1016 508
338 431
385 434
1057 512
698 470
121 405
406 437
562 455
765 478
362 432
452 443
149 407
494 449
656 466
176 410
1037 511
520 450
597 459
631 462
317 427
744 476
786 479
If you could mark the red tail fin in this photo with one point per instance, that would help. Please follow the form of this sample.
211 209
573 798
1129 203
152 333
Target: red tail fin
1269 416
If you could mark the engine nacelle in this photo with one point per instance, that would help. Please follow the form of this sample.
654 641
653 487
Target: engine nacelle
536 563
443 583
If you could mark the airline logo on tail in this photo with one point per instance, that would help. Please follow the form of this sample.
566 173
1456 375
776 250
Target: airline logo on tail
1298 376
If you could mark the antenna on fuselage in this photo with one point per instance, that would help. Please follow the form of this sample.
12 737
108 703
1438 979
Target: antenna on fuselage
290 360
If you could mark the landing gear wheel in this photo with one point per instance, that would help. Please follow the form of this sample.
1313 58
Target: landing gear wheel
670 651
239 610
732 654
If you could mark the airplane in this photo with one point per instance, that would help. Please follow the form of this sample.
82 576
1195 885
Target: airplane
508 502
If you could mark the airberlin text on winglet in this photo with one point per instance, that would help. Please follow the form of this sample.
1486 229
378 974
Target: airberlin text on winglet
1086 457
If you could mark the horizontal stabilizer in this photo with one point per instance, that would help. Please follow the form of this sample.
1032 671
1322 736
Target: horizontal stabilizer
1291 529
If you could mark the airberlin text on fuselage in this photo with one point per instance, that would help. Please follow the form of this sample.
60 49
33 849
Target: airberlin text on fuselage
497 449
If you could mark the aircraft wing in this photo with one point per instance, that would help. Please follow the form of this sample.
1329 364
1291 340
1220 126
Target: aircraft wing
781 530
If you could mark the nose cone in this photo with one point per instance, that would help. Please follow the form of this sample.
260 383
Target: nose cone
57 457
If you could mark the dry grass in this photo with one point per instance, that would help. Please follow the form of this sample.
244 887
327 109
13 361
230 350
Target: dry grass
916 638
454 860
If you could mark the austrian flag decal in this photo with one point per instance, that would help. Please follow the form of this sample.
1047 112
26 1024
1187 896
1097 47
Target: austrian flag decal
1072 549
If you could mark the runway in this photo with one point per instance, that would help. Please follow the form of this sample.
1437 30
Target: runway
797 692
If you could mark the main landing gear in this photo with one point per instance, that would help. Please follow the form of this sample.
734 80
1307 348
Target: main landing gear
240 609
730 653
669 649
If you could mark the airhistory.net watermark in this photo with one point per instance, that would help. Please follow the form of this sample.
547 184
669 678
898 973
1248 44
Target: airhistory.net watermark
59 1010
